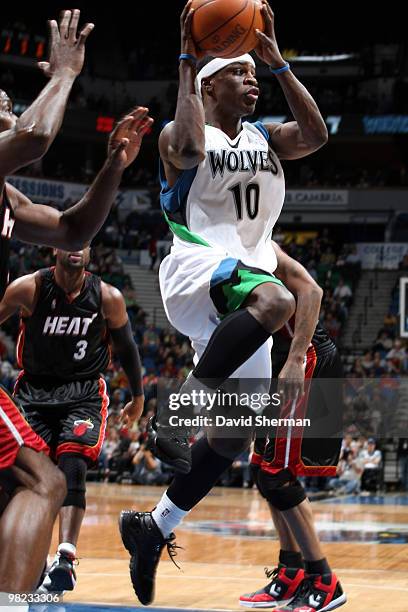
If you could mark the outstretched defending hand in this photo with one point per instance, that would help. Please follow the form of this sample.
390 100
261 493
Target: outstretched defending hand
267 49
132 411
126 139
66 49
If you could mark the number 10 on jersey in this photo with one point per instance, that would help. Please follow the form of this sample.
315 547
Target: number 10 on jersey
251 199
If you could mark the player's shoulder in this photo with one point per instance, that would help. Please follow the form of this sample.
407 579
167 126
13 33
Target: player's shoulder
258 128
25 285
110 293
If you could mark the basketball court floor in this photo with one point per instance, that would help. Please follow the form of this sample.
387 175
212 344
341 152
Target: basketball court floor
228 541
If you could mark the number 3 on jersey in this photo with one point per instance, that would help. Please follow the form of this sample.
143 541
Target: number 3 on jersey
251 199
82 345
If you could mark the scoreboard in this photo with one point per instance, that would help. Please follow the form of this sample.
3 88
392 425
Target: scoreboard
22 44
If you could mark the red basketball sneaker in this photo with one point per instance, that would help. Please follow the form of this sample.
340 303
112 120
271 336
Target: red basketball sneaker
279 592
317 593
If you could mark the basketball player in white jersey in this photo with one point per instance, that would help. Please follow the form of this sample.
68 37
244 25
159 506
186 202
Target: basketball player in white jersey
222 192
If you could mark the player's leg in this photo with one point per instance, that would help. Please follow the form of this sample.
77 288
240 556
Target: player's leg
35 490
27 521
253 304
288 572
61 575
81 435
321 589
145 534
240 334
287 496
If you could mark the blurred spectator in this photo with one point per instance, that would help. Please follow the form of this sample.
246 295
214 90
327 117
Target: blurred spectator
343 292
109 450
398 356
371 459
147 469
349 473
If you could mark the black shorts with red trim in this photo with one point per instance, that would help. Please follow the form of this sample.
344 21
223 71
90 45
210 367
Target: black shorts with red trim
15 432
69 417
308 453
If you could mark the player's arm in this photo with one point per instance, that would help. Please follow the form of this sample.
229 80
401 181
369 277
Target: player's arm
21 294
308 296
74 228
37 127
308 132
125 347
182 142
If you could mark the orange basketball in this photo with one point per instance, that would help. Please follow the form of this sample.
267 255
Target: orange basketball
226 28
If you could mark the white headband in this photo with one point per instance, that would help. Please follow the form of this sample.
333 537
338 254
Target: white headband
218 64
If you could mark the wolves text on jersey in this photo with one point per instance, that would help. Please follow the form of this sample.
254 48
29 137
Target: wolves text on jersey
242 161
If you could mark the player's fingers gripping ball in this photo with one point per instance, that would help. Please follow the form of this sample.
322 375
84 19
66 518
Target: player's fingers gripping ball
226 28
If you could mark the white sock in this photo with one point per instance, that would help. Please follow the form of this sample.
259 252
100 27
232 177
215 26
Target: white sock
66 547
167 515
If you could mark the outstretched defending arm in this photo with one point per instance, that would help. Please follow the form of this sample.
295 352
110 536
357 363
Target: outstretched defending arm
74 228
36 128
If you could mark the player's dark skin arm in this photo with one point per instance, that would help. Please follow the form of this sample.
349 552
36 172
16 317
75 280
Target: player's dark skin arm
21 294
30 136
182 142
74 228
114 311
308 132
308 300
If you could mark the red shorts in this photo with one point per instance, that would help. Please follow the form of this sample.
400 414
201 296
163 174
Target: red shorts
15 432
288 448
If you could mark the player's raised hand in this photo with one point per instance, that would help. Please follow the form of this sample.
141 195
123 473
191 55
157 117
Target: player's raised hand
291 381
66 46
132 411
267 48
187 43
126 139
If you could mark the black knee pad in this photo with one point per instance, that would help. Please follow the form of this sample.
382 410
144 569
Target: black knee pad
281 491
74 468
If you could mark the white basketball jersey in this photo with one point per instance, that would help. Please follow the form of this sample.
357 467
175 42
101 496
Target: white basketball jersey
232 199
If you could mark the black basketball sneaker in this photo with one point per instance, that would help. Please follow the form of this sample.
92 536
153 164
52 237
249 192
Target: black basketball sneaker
171 445
145 542
317 593
279 592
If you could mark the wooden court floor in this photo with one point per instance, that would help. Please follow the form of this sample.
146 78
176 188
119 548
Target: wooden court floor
227 545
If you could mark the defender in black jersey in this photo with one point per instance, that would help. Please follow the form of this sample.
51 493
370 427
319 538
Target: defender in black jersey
69 317
287 455
25 543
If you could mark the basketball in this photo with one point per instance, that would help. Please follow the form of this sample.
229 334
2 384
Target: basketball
226 28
